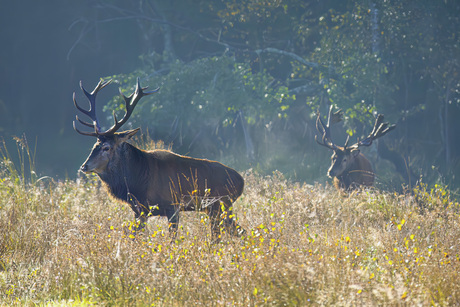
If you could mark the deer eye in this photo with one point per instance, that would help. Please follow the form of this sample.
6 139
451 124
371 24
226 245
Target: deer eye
106 148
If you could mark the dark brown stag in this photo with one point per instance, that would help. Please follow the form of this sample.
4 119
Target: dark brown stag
349 167
159 182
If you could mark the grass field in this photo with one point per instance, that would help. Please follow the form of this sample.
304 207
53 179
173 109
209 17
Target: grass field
67 243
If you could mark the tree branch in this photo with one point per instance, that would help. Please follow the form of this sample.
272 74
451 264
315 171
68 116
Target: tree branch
288 54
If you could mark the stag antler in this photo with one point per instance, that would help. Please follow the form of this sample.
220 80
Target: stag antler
379 130
332 118
130 103
91 113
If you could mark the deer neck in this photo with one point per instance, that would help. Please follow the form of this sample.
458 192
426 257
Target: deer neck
358 173
124 171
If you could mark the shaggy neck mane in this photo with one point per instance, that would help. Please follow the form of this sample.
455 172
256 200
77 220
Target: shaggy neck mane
122 175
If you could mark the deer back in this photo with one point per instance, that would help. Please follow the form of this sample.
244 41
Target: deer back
185 176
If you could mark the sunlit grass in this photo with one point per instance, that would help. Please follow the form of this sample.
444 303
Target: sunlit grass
67 243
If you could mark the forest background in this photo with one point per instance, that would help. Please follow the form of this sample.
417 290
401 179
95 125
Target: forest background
241 81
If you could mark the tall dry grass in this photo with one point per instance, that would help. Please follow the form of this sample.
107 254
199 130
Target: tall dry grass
67 243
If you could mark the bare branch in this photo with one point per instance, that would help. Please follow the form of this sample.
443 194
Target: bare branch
289 54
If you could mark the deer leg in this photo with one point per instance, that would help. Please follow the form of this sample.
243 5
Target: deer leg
214 212
221 216
173 219
139 214
141 221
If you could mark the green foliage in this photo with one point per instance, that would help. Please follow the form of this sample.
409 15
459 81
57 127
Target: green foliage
205 98
356 80
210 88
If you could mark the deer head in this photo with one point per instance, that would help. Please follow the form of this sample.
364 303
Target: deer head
110 140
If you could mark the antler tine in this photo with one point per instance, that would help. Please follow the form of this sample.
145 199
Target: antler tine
322 130
329 117
332 118
346 141
91 113
83 133
130 103
319 124
83 122
379 130
383 128
377 124
335 117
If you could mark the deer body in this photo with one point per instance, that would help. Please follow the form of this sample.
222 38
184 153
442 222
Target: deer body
159 182
355 171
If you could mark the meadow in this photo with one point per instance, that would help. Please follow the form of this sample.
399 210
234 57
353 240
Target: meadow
68 243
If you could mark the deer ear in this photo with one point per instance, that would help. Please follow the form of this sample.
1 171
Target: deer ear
355 152
126 135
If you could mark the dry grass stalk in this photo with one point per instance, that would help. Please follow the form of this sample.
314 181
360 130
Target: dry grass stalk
68 243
